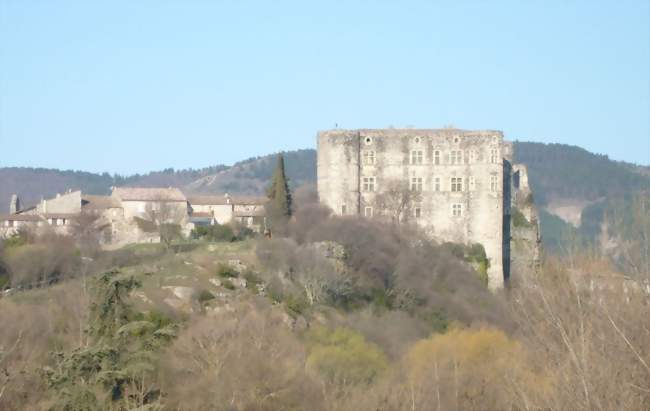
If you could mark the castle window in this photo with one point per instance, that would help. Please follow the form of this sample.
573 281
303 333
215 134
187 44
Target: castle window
417 212
456 184
417 140
416 184
343 209
367 211
436 184
456 157
472 156
456 139
368 140
457 210
493 156
436 157
472 183
369 157
494 185
416 157
369 184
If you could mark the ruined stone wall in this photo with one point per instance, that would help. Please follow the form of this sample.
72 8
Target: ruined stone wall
69 203
430 159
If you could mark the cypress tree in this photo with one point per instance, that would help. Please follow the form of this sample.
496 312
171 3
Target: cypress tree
279 205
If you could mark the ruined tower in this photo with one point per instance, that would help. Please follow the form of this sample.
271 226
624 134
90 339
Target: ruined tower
14 204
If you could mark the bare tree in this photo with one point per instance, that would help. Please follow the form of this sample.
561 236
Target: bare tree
165 219
397 200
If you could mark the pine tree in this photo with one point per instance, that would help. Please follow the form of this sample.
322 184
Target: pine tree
278 210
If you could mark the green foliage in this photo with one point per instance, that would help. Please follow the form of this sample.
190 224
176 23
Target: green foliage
519 219
278 209
252 281
296 304
205 296
227 271
146 226
227 284
116 365
436 318
343 356
16 240
214 233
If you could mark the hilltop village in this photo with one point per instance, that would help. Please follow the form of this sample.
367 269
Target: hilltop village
459 186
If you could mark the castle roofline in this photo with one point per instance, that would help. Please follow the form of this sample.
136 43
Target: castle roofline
410 131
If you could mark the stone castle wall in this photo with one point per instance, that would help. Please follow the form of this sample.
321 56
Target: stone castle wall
462 180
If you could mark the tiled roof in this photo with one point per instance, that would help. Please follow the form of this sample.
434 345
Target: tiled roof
201 215
250 213
99 202
148 194
20 217
223 200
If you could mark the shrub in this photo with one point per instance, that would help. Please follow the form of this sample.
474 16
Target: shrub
252 281
227 284
205 296
216 233
518 218
226 271
296 304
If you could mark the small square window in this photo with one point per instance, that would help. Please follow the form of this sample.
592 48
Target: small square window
456 157
436 157
436 184
369 184
367 211
417 156
456 184
493 156
494 183
457 210
416 184
369 157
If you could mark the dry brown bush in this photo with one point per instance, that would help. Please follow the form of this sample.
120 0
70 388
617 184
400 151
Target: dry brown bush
247 359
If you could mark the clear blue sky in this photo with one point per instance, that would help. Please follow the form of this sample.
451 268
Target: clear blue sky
133 86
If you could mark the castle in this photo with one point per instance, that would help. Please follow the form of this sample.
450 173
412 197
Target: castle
131 214
458 185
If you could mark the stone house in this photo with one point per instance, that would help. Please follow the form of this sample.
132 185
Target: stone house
455 184
247 211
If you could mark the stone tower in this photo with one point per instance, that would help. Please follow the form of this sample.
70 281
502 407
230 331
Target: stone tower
458 183
14 204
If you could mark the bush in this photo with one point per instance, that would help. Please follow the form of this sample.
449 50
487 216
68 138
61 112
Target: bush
227 284
205 296
216 233
518 218
226 271
252 281
296 304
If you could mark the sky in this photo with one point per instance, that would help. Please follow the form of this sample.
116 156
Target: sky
136 86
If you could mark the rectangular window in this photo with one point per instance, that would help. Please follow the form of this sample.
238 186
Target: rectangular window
493 156
343 209
436 184
436 157
456 210
472 156
367 211
456 184
472 183
369 184
456 157
418 212
494 186
416 156
416 184
369 157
